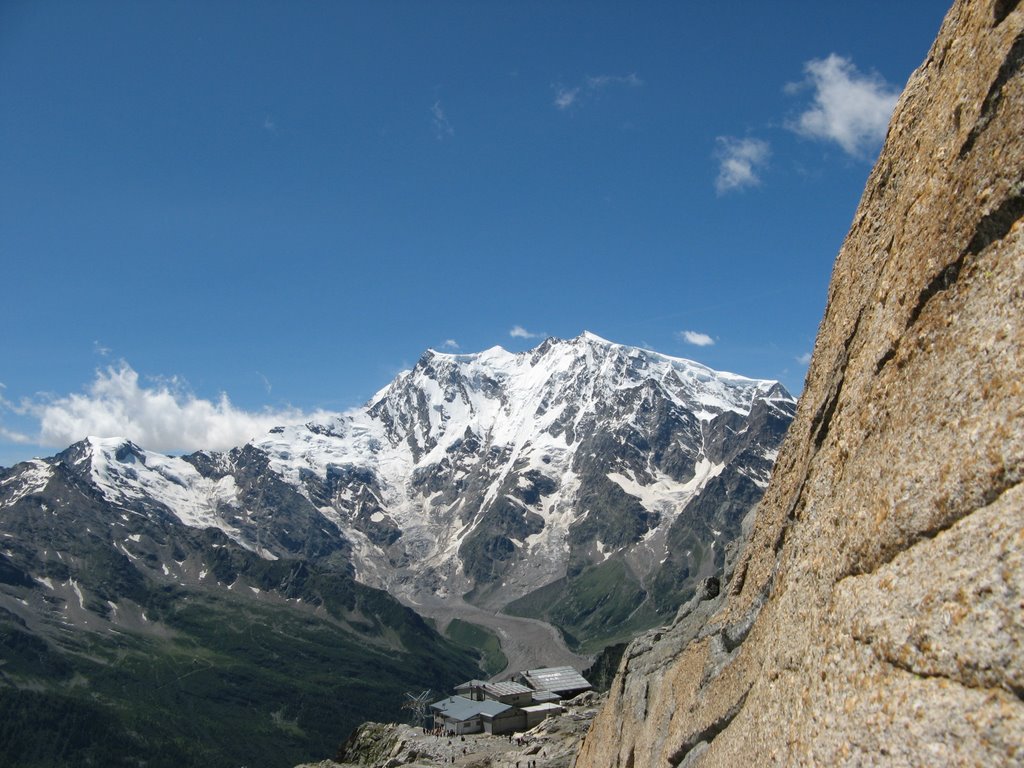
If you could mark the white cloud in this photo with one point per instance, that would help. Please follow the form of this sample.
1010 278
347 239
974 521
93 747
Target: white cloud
740 162
566 97
849 108
804 359
518 332
161 417
695 337
15 437
7 405
450 344
269 125
442 128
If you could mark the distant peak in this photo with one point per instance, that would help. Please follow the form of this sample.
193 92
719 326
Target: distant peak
592 338
108 443
496 351
586 338
121 448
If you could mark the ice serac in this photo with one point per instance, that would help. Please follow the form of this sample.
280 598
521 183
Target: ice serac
874 616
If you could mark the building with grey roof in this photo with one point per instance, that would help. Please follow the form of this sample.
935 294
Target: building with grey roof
509 692
565 681
461 715
506 691
545 697
508 705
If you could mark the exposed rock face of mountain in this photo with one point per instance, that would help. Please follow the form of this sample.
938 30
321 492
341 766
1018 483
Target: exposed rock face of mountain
574 466
875 615
495 474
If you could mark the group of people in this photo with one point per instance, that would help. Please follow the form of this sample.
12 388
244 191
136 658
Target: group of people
439 732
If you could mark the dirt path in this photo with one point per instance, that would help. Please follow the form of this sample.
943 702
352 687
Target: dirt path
527 643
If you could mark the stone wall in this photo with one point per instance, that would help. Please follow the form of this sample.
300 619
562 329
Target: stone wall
876 614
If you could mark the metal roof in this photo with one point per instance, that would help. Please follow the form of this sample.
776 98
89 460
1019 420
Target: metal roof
559 679
546 707
505 688
546 696
460 708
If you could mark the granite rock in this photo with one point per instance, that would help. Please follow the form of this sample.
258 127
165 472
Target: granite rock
876 613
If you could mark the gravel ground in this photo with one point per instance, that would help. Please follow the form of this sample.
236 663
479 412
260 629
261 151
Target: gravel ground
528 643
552 744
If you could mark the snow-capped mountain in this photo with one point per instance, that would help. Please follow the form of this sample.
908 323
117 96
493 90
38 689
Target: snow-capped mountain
133 623
489 475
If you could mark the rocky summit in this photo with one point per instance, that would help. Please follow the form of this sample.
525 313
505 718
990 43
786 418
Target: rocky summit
875 615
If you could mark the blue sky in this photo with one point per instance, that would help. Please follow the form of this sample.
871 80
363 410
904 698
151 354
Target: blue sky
218 215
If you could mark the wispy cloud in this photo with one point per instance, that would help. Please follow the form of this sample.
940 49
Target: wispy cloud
740 162
697 338
518 332
568 96
442 127
565 97
7 434
848 107
269 124
804 359
163 416
450 344
15 437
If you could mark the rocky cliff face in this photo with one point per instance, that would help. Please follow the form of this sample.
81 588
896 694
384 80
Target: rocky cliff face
495 475
875 616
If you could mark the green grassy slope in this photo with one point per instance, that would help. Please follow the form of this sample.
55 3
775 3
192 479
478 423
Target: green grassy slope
482 641
603 604
237 683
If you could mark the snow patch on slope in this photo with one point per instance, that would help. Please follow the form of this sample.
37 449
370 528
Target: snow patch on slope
125 473
28 481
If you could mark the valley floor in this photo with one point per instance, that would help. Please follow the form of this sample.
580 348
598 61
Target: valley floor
527 643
